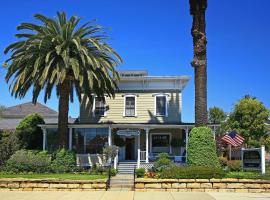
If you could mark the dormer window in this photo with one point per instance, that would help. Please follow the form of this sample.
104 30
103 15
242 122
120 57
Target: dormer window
161 105
99 106
130 106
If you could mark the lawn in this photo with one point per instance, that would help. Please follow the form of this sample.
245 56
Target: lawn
54 176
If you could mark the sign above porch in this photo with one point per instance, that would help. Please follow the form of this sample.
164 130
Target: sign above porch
128 132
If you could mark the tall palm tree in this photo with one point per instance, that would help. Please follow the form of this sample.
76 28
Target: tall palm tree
58 53
199 62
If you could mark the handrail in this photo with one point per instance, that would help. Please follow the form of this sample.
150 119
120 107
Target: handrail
108 183
134 177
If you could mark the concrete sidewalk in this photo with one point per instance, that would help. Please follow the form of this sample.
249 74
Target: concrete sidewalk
129 195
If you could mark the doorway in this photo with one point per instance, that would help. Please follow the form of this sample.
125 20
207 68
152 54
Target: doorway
130 153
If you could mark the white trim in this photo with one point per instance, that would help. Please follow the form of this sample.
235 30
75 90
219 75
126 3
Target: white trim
135 98
166 104
94 107
170 135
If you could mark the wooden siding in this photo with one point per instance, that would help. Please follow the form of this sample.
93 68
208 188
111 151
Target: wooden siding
145 106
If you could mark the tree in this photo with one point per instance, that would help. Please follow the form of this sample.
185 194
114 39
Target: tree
30 135
248 118
199 62
216 115
57 53
202 148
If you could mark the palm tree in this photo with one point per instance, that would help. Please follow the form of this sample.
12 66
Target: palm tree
58 53
199 62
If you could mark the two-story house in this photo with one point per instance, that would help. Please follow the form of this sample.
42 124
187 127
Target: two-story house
143 119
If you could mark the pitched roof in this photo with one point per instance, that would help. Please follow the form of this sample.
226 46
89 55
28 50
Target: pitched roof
11 116
24 109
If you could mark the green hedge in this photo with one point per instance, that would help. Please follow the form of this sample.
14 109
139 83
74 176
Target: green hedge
28 161
177 172
140 172
63 161
202 148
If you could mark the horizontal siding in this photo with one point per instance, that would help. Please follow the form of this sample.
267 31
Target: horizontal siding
145 109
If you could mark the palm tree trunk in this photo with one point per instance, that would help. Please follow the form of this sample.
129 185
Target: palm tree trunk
199 62
64 90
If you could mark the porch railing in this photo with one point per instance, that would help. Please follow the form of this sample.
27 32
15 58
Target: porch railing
143 155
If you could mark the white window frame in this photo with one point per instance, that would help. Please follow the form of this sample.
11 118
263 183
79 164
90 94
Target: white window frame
94 107
166 133
166 105
124 112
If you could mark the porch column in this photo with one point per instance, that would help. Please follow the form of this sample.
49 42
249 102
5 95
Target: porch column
214 132
44 138
186 142
146 144
139 151
110 136
70 139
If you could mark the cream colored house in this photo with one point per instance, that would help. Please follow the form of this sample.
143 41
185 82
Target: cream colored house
143 119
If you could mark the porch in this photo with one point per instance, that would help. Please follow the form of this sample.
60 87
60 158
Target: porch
139 143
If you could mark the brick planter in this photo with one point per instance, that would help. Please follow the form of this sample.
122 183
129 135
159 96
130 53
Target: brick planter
51 185
203 185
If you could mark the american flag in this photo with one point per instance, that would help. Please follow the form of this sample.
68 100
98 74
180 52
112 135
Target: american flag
233 139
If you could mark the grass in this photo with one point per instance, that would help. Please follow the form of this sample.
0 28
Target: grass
54 176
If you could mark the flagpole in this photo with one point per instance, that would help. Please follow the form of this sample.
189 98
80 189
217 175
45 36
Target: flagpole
230 152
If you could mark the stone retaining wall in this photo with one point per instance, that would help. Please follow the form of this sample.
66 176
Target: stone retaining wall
203 185
51 185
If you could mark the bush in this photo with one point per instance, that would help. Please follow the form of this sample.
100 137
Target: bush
63 161
30 135
162 162
202 148
140 172
28 161
223 161
113 172
234 165
9 144
110 152
192 172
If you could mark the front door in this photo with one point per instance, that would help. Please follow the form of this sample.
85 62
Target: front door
130 144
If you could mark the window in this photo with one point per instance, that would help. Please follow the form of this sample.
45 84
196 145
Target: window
100 108
161 105
130 107
161 143
90 140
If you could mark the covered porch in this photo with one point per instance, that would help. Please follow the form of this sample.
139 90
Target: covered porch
140 143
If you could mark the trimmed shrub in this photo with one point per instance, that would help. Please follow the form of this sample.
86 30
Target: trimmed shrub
192 172
162 162
113 172
110 152
140 172
202 148
9 144
28 161
63 161
30 135
234 165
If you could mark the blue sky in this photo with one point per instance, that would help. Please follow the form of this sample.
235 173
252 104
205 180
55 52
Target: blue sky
155 35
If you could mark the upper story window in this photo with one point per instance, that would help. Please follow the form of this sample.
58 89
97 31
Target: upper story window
99 106
161 105
130 106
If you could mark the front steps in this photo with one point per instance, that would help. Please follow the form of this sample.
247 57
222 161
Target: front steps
124 182
126 167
